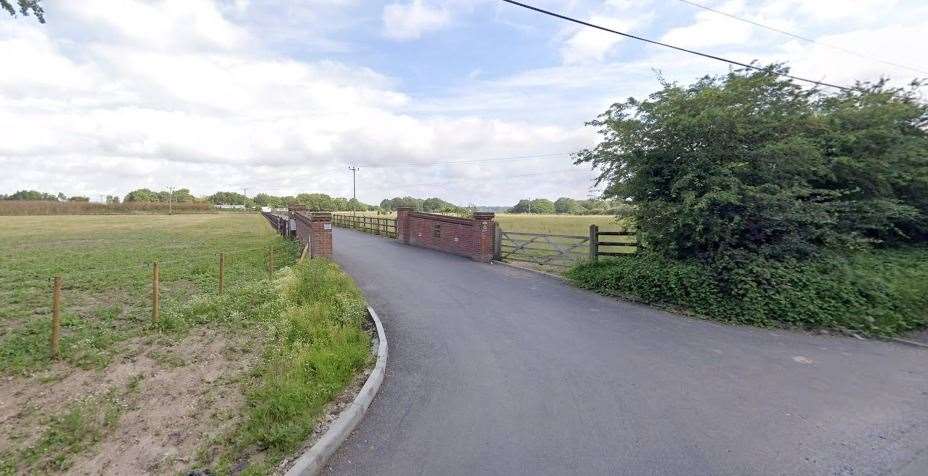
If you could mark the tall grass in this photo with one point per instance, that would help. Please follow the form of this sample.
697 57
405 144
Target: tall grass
41 207
316 315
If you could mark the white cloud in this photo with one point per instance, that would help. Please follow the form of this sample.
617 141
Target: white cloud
710 29
131 105
410 20
589 44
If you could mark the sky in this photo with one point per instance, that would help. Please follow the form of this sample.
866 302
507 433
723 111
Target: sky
475 101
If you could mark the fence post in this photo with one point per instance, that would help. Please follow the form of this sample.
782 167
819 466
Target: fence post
270 263
498 243
155 293
222 268
56 317
594 243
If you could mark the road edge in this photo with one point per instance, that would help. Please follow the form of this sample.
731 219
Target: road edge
311 462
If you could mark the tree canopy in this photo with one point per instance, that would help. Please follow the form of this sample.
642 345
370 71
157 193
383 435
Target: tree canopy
25 7
752 162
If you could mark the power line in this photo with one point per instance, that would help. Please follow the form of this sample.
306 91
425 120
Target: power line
800 37
666 45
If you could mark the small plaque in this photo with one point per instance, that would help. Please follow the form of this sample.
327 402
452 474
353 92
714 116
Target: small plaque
326 226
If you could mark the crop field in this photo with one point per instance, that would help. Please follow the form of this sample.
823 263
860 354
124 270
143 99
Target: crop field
199 387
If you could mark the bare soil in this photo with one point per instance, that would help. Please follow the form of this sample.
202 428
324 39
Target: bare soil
177 394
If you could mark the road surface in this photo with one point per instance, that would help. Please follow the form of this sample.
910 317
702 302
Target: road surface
494 370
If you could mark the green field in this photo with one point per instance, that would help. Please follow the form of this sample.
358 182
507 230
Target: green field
227 383
105 265
578 225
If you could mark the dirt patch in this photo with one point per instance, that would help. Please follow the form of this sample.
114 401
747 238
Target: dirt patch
175 395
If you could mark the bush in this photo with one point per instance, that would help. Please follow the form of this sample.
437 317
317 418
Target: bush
881 292
753 162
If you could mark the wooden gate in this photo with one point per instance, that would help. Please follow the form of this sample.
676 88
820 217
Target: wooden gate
563 251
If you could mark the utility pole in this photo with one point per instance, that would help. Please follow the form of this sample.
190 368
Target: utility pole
354 187
170 201
244 200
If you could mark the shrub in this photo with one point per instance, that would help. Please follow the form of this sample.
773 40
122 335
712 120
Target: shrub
752 162
880 292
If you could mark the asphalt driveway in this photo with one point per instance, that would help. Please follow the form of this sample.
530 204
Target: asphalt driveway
495 370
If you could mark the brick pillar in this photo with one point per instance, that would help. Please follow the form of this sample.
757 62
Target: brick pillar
484 236
402 224
320 235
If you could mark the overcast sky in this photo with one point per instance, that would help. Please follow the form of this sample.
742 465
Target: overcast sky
281 96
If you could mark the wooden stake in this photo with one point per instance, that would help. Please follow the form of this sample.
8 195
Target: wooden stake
270 263
222 268
56 318
594 243
155 294
303 254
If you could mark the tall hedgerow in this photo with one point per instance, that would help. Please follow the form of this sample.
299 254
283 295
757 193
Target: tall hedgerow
752 162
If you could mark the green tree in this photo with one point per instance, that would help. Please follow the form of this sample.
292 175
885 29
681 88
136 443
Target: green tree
524 206
565 205
183 195
315 201
25 8
77 198
542 206
31 195
141 195
750 162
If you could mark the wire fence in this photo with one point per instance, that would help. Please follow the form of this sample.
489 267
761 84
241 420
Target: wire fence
77 296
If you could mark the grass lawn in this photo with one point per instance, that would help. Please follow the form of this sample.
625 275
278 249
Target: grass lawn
226 383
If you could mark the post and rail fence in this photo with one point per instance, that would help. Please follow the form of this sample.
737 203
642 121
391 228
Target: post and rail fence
373 225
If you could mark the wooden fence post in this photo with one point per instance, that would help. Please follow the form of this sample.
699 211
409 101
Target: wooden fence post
222 269
155 293
270 263
56 318
498 242
594 243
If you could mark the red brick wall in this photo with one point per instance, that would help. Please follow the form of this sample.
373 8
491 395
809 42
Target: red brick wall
314 229
461 236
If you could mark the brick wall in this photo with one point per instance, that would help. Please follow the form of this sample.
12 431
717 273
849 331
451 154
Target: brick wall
461 236
314 229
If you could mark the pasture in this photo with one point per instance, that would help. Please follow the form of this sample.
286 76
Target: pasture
105 265
200 387
578 225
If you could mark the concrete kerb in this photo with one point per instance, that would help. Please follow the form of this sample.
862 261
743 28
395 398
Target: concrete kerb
314 459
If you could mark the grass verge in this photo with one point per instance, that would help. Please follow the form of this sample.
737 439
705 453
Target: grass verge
317 318
877 292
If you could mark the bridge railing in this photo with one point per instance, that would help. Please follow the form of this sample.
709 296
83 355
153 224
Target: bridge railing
368 224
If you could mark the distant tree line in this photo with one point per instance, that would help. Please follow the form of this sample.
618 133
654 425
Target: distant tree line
429 205
570 206
34 195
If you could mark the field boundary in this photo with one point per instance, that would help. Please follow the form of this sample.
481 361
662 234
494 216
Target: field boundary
311 462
